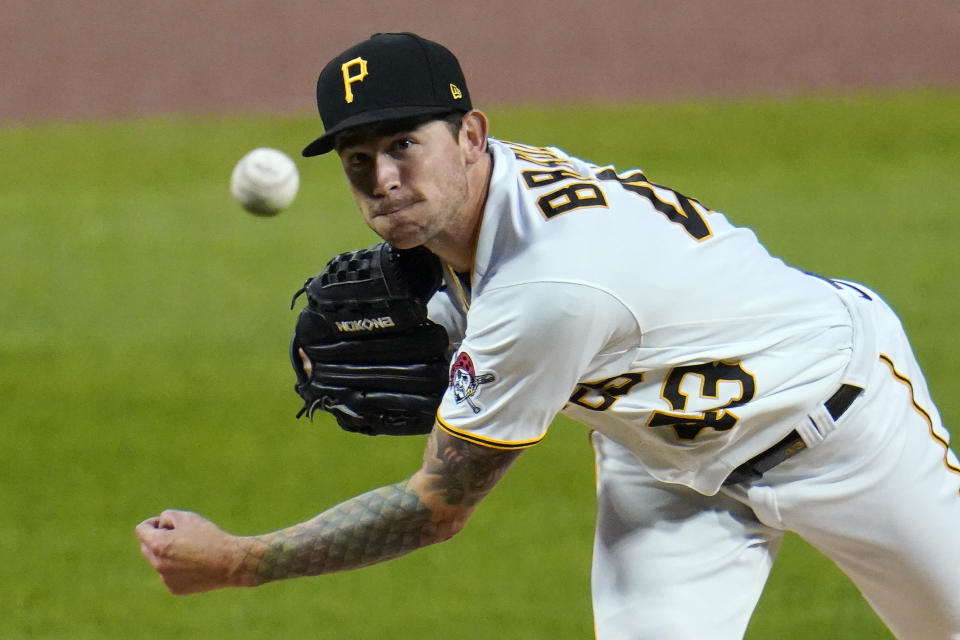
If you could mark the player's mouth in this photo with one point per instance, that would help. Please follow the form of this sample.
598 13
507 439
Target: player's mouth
394 207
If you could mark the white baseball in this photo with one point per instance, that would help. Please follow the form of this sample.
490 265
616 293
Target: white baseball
265 181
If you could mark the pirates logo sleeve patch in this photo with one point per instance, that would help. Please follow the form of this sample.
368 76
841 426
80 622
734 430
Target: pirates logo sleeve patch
466 382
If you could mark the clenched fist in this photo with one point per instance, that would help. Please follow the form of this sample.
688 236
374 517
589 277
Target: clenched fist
192 554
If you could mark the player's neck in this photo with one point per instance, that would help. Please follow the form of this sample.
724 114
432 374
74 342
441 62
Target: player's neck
458 246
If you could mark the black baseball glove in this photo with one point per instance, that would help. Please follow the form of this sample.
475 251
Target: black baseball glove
376 362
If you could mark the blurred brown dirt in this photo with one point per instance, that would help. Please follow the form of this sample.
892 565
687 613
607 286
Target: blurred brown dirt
79 59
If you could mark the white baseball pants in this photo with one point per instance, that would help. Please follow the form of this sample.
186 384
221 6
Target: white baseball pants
880 496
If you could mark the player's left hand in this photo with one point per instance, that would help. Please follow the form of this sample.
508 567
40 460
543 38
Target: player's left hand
364 348
192 554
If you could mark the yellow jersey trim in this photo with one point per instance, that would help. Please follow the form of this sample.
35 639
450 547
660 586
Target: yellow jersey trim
887 360
486 442
455 280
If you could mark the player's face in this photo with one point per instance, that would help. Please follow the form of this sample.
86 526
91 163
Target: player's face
409 185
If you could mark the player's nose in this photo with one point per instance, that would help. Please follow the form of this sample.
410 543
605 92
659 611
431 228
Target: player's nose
386 175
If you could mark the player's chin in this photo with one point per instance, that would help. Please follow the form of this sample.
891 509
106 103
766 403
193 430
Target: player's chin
406 243
400 234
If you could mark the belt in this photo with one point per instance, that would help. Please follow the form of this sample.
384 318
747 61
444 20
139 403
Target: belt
792 444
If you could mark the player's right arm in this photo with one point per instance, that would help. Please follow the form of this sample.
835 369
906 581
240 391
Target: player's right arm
429 507
192 554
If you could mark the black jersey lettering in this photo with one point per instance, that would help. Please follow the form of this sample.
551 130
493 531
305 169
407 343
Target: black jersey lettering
687 423
600 396
686 212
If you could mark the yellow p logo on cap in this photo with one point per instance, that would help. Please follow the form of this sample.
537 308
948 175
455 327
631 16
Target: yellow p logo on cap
349 79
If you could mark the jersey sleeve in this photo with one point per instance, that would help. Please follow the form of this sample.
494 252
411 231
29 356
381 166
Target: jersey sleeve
525 349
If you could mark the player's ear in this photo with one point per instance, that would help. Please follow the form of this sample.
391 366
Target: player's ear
473 136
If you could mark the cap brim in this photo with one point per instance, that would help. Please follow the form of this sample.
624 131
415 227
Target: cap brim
325 143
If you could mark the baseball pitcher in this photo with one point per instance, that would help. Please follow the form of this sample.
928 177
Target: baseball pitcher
730 397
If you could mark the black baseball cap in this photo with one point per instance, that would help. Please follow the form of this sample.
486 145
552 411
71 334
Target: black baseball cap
387 77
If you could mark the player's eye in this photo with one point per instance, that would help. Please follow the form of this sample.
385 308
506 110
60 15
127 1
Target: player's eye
402 144
356 160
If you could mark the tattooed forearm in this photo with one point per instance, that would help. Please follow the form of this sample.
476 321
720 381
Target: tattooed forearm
388 522
372 527
462 472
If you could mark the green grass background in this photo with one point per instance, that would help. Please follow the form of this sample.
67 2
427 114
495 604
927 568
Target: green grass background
143 330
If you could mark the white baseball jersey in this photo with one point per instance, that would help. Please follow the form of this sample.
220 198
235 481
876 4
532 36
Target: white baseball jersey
689 350
637 311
